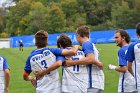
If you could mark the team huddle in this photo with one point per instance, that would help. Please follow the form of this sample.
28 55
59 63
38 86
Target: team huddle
82 71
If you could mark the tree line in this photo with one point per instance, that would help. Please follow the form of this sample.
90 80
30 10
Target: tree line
55 16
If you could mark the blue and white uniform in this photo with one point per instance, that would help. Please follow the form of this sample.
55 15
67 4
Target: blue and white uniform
95 74
3 66
133 55
75 78
41 59
126 80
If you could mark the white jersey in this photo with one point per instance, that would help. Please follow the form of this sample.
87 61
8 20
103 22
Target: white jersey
39 60
75 78
137 64
133 55
126 81
3 66
96 75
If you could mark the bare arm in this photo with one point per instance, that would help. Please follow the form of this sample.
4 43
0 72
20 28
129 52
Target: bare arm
27 77
121 68
117 68
130 68
7 79
89 59
70 52
56 65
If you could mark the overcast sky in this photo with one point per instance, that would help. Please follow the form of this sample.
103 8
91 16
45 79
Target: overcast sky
9 2
2 1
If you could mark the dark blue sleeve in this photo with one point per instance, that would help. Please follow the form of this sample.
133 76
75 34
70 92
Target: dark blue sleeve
121 57
5 64
130 53
27 67
87 47
62 58
56 51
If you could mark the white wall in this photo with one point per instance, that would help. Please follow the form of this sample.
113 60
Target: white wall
4 43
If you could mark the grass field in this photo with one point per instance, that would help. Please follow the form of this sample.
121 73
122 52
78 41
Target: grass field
17 59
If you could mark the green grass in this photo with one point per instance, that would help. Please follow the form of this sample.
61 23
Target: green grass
17 59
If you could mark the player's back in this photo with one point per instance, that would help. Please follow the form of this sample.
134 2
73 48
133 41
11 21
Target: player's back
96 75
41 59
1 75
75 79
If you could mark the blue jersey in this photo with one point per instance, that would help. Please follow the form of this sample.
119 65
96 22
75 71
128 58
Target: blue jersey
126 80
3 66
41 59
133 55
95 74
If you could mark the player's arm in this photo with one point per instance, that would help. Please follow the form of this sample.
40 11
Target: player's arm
27 71
7 79
121 68
117 68
89 59
130 57
130 68
27 77
122 62
70 52
54 66
6 74
41 73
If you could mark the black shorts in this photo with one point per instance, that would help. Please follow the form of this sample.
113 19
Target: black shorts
21 45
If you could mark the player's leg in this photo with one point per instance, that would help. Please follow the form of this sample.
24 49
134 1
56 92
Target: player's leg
22 48
19 48
94 90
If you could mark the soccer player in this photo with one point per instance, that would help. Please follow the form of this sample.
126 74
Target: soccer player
126 80
4 75
20 45
45 58
133 57
75 79
95 72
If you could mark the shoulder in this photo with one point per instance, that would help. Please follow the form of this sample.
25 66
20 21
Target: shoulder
121 50
124 48
87 43
2 58
134 43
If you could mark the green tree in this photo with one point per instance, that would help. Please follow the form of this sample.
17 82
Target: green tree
55 21
36 19
72 15
2 19
16 17
96 11
123 17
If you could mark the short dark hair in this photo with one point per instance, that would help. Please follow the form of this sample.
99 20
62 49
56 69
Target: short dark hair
124 34
138 29
41 39
64 41
83 31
